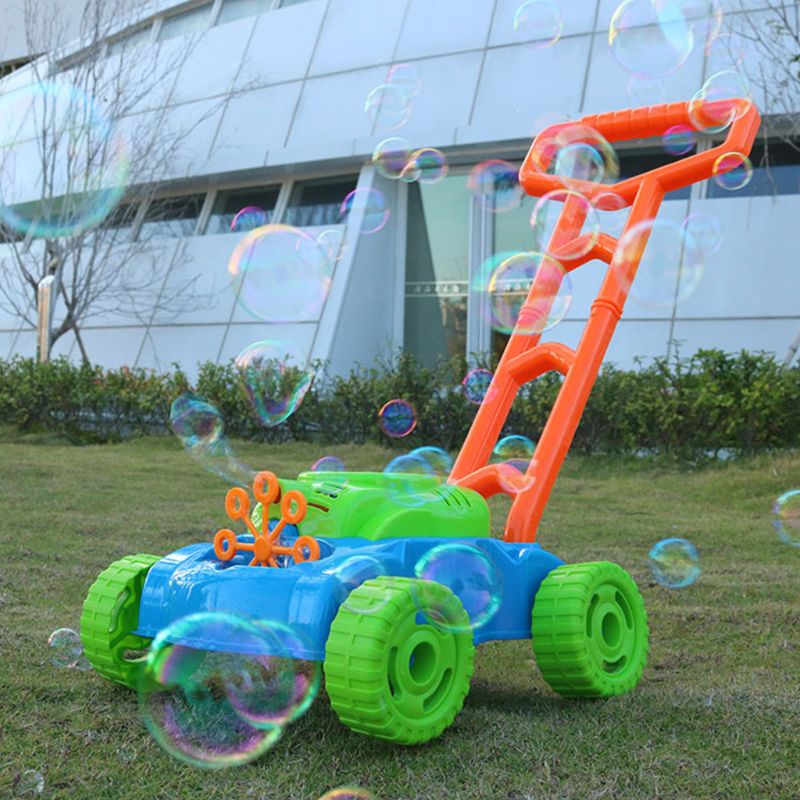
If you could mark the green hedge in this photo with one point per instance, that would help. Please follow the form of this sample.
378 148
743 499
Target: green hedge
692 407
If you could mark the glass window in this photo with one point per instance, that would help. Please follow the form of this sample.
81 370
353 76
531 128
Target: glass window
637 162
318 202
185 22
121 217
130 40
776 170
236 9
171 217
231 202
437 269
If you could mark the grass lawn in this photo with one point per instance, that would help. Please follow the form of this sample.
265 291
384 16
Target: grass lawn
716 715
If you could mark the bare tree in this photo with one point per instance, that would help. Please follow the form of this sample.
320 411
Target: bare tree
85 140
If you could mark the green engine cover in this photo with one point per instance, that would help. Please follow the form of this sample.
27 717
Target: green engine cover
374 505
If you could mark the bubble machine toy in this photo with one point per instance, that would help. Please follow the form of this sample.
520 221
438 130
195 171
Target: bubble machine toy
336 556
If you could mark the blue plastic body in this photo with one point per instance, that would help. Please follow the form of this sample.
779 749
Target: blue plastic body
307 596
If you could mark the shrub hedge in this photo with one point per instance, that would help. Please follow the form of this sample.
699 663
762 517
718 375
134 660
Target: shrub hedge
686 407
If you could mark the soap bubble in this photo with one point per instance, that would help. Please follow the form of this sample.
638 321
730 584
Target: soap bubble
65 647
348 793
388 106
545 215
476 384
470 574
405 78
391 157
650 38
29 784
514 450
332 243
217 690
274 379
328 464
507 278
540 21
248 219
397 418
723 98
439 460
85 168
426 165
679 140
732 171
126 754
704 230
350 574
369 202
786 519
674 563
496 185
411 480
671 263
280 274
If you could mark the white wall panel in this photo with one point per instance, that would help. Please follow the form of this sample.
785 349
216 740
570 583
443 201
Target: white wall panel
297 336
188 345
577 17
732 336
112 347
193 126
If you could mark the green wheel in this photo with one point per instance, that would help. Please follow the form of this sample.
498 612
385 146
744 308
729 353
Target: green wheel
590 630
398 659
111 614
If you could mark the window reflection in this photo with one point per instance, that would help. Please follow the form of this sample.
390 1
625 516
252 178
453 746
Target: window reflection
318 202
228 204
236 9
185 22
171 217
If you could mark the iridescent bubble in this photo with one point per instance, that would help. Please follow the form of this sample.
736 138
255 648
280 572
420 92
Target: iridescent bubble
65 647
671 263
514 450
514 478
328 464
274 378
82 171
786 517
579 161
705 230
280 274
650 38
248 219
217 690
350 574
126 754
397 418
723 98
470 574
405 77
29 784
348 793
545 215
437 459
332 244
428 165
507 278
476 384
388 106
391 157
679 140
496 185
371 204
539 21
674 563
409 479
732 171
195 421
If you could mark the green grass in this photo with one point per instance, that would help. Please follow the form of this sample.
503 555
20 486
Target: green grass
716 715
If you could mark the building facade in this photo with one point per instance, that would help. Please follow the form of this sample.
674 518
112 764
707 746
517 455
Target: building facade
280 89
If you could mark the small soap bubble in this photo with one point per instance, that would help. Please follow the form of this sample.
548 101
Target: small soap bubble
371 203
671 263
388 106
328 464
514 450
248 219
705 230
30 783
650 38
195 421
350 574
127 754
496 184
332 244
546 213
470 574
274 378
539 21
391 157
404 77
507 278
723 98
732 171
397 418
280 274
65 647
476 384
679 140
427 165
674 563
348 793
411 480
439 460
786 517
